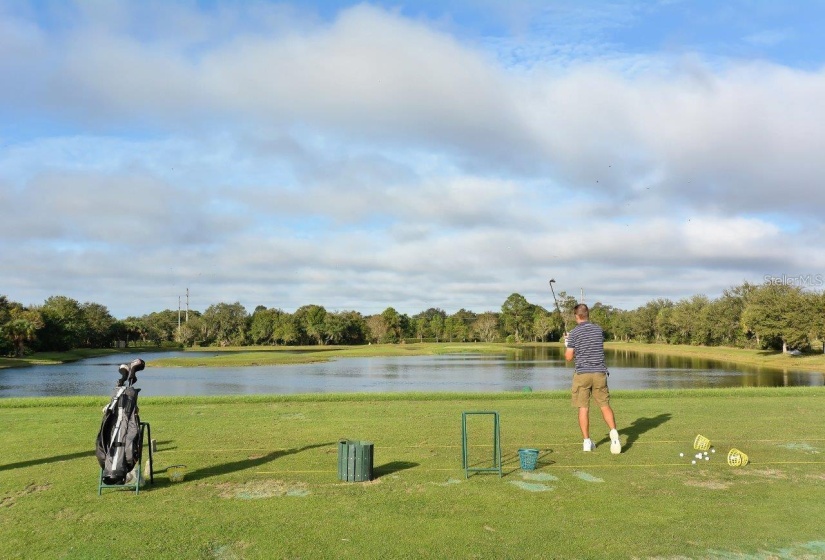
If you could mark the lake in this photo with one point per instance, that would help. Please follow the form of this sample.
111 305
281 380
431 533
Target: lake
540 368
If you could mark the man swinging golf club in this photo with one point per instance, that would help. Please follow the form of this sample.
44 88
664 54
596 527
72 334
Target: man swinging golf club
585 344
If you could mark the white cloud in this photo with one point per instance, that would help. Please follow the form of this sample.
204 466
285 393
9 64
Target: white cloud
376 160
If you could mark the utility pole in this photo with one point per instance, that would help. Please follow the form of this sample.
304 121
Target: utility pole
581 299
178 313
187 305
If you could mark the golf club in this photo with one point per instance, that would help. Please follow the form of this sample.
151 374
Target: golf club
564 323
552 280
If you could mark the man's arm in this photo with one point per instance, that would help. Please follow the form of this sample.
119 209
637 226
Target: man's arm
569 352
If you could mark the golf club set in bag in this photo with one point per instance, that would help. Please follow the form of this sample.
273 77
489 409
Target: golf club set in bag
118 441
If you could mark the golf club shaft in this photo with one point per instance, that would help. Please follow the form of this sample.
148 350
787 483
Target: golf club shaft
564 323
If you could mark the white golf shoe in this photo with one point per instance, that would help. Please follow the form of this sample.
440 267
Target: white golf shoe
615 442
588 445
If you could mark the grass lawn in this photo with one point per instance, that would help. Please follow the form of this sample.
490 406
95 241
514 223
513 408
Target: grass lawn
262 479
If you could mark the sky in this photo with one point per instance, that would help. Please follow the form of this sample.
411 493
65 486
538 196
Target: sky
440 153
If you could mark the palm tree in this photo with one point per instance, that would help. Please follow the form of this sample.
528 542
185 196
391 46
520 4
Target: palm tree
20 331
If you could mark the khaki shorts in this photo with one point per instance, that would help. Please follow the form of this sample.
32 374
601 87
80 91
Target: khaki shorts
586 384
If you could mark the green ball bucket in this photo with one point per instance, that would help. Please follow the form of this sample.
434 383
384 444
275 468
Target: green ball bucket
528 458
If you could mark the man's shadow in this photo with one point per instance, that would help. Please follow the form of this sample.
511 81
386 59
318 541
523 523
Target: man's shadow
638 427
234 466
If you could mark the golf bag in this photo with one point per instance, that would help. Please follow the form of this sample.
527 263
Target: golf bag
118 441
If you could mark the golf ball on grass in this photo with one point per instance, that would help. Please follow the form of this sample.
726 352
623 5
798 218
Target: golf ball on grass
681 454
707 458
693 462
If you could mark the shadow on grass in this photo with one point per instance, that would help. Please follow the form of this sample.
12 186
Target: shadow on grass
637 428
47 460
235 466
392 467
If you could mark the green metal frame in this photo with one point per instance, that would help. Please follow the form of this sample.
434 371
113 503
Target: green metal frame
465 452
144 428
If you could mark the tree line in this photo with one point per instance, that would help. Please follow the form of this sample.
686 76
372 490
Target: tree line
774 316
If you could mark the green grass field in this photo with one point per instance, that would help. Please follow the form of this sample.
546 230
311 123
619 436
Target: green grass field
262 479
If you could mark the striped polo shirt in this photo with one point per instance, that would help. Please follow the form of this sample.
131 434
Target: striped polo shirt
587 339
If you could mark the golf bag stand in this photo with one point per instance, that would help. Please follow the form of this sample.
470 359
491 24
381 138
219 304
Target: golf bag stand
120 441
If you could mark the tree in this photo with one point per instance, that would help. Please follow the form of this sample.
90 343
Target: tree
459 325
377 327
393 322
429 323
686 323
22 328
818 306
193 331
543 324
724 316
226 324
99 323
310 319
161 326
485 327
567 306
643 321
64 325
517 316
262 325
604 316
622 322
346 327
285 329
780 316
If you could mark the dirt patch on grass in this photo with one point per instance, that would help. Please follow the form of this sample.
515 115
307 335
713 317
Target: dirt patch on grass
11 499
224 551
587 477
543 477
799 446
532 486
774 474
258 489
292 416
708 484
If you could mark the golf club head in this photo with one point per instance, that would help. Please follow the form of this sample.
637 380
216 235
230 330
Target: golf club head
124 373
136 366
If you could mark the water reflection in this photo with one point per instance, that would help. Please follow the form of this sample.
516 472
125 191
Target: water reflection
540 368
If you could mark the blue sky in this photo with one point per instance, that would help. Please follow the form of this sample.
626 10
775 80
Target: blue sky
414 155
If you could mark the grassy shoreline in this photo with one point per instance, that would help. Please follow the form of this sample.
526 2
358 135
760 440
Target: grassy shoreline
279 355
742 356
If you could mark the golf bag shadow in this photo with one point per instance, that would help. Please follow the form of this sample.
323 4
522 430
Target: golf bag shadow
118 441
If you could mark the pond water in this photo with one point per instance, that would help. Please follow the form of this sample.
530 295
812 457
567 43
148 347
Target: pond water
540 368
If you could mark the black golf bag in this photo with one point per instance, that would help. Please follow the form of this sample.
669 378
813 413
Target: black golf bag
118 441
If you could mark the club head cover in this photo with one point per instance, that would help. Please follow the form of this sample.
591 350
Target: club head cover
136 366
124 373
